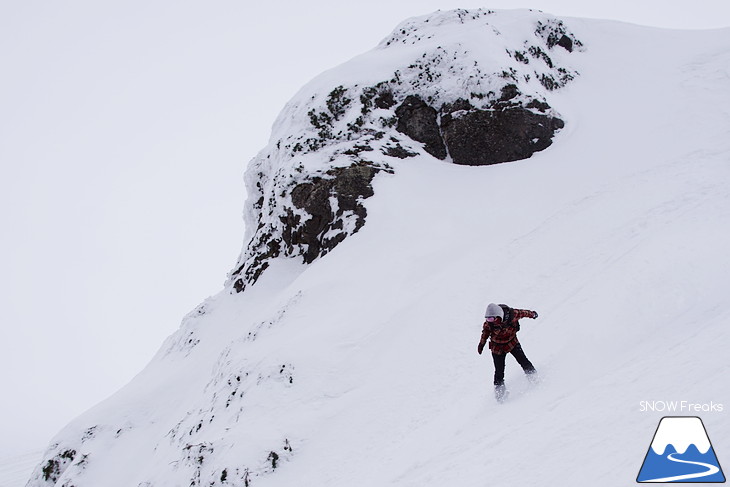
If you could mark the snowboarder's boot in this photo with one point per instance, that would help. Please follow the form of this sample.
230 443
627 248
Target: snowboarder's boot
533 377
500 392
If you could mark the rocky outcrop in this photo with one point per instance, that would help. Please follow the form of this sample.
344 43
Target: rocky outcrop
54 468
418 121
482 137
327 201
476 102
506 130
324 211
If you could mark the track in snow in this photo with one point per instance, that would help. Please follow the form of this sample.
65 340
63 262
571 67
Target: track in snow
712 470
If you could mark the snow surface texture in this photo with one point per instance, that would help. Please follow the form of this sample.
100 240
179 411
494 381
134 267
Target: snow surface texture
15 470
361 369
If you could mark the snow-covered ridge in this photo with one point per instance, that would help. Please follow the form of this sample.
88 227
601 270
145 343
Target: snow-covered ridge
426 88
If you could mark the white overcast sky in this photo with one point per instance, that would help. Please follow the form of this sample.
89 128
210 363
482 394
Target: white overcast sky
125 127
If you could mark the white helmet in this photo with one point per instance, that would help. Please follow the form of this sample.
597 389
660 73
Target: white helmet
494 310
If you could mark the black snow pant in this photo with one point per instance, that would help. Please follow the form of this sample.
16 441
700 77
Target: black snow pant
499 358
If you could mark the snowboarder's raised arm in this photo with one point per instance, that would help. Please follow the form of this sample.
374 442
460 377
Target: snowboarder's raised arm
485 335
524 313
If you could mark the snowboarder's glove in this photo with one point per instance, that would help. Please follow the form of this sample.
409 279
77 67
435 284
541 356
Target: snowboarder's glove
480 347
534 315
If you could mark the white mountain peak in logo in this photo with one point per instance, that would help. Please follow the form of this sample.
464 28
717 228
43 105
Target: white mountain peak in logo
681 432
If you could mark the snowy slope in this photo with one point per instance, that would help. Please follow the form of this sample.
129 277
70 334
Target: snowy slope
15 470
361 368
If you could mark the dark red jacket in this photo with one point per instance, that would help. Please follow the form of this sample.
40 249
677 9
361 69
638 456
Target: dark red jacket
503 336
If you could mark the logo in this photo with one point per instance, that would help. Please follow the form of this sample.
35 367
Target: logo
681 452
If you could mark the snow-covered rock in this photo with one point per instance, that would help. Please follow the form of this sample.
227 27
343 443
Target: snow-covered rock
470 86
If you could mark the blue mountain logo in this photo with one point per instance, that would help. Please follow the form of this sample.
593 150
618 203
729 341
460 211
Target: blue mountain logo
681 452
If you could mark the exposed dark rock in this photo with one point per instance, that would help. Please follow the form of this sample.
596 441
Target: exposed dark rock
349 185
337 102
357 149
321 228
566 43
508 130
460 104
538 105
378 96
384 100
509 92
56 466
550 83
520 56
555 33
398 151
538 53
249 272
481 137
274 459
418 121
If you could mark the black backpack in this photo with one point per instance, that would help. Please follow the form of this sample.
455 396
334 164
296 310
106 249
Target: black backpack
508 319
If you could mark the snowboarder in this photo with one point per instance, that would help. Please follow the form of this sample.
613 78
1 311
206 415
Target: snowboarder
501 327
